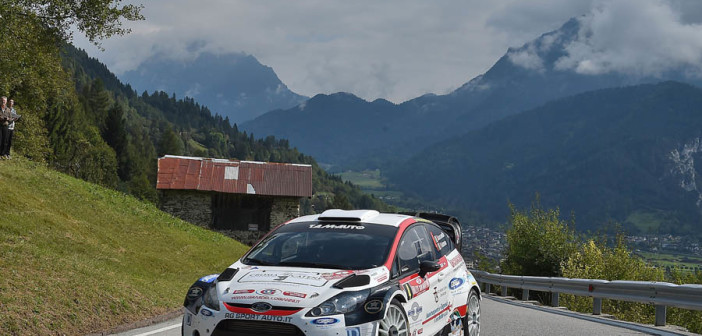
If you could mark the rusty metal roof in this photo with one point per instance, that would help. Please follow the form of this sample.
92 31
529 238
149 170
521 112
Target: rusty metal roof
237 177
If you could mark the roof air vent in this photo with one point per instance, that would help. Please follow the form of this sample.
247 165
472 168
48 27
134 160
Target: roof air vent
348 215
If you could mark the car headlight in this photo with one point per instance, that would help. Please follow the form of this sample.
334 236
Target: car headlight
340 304
211 300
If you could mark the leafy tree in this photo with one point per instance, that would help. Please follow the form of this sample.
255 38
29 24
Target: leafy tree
595 260
97 19
692 320
115 134
538 242
341 202
30 138
170 144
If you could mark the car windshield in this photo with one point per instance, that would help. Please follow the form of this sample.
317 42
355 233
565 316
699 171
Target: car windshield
324 245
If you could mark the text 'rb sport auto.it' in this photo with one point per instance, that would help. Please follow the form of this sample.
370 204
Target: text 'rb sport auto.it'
347 273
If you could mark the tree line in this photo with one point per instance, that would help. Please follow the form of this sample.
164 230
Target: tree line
542 243
81 120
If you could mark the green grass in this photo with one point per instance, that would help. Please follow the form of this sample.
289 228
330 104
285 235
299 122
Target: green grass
649 221
679 261
78 258
367 179
196 146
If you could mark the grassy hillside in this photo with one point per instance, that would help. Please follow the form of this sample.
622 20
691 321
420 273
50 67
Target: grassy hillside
78 258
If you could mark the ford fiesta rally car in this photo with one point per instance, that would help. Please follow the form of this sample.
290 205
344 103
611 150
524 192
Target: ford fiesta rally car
347 273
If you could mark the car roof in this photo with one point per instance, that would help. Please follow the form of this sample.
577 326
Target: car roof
358 216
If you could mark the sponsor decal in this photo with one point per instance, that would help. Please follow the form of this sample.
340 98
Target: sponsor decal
471 279
415 287
243 291
325 321
440 317
382 278
188 319
439 241
436 295
355 331
455 283
381 289
295 294
456 323
206 312
194 293
443 307
256 317
336 226
336 275
373 306
261 307
414 311
265 297
418 331
298 278
209 278
455 261
267 291
314 295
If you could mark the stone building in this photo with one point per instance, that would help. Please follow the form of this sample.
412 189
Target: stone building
242 196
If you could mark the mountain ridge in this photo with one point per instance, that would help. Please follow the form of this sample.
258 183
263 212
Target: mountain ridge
522 79
234 85
604 154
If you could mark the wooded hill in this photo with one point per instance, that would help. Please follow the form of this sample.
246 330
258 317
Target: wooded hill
627 155
137 128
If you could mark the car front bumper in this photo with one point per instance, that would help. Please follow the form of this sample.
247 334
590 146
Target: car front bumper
224 323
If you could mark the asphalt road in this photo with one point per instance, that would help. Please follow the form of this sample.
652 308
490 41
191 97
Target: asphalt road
502 317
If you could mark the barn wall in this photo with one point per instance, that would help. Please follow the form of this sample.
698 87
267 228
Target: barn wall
284 209
191 206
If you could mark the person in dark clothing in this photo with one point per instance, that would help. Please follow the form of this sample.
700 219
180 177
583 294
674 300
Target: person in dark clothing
4 125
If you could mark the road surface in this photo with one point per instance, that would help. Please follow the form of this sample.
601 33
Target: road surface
502 317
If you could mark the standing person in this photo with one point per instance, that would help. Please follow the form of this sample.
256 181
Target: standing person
11 128
4 125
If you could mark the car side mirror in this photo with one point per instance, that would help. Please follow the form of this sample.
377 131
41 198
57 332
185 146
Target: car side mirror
428 266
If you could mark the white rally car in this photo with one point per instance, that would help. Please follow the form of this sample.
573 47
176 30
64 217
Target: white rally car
347 273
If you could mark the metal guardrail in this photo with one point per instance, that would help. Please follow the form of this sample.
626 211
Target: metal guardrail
660 294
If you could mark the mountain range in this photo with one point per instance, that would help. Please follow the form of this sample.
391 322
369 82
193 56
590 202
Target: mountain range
608 147
628 155
380 134
232 85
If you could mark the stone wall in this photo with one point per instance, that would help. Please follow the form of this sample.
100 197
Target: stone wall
284 209
191 206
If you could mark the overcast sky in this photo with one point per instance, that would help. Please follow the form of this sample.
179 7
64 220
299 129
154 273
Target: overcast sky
401 49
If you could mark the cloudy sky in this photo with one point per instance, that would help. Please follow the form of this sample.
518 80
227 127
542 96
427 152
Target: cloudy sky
401 49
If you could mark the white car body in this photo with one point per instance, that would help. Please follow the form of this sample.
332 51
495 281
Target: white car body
259 299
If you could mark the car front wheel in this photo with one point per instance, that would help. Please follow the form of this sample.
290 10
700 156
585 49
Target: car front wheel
395 322
472 322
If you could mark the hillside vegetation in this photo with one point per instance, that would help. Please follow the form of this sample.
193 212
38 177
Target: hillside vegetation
78 258
628 155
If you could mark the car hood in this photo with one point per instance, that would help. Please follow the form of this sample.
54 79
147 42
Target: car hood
292 286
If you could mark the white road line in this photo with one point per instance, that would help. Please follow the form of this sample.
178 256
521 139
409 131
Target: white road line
160 330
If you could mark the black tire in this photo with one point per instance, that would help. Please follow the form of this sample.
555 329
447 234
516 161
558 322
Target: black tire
395 322
471 323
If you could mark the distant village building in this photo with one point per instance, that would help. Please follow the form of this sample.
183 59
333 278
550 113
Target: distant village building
232 195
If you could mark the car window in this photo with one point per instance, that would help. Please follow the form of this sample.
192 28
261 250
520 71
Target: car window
415 247
333 245
441 240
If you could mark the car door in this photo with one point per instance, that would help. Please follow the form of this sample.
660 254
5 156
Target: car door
452 277
423 307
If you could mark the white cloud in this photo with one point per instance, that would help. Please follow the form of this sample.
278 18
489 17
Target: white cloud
394 49
635 37
527 58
